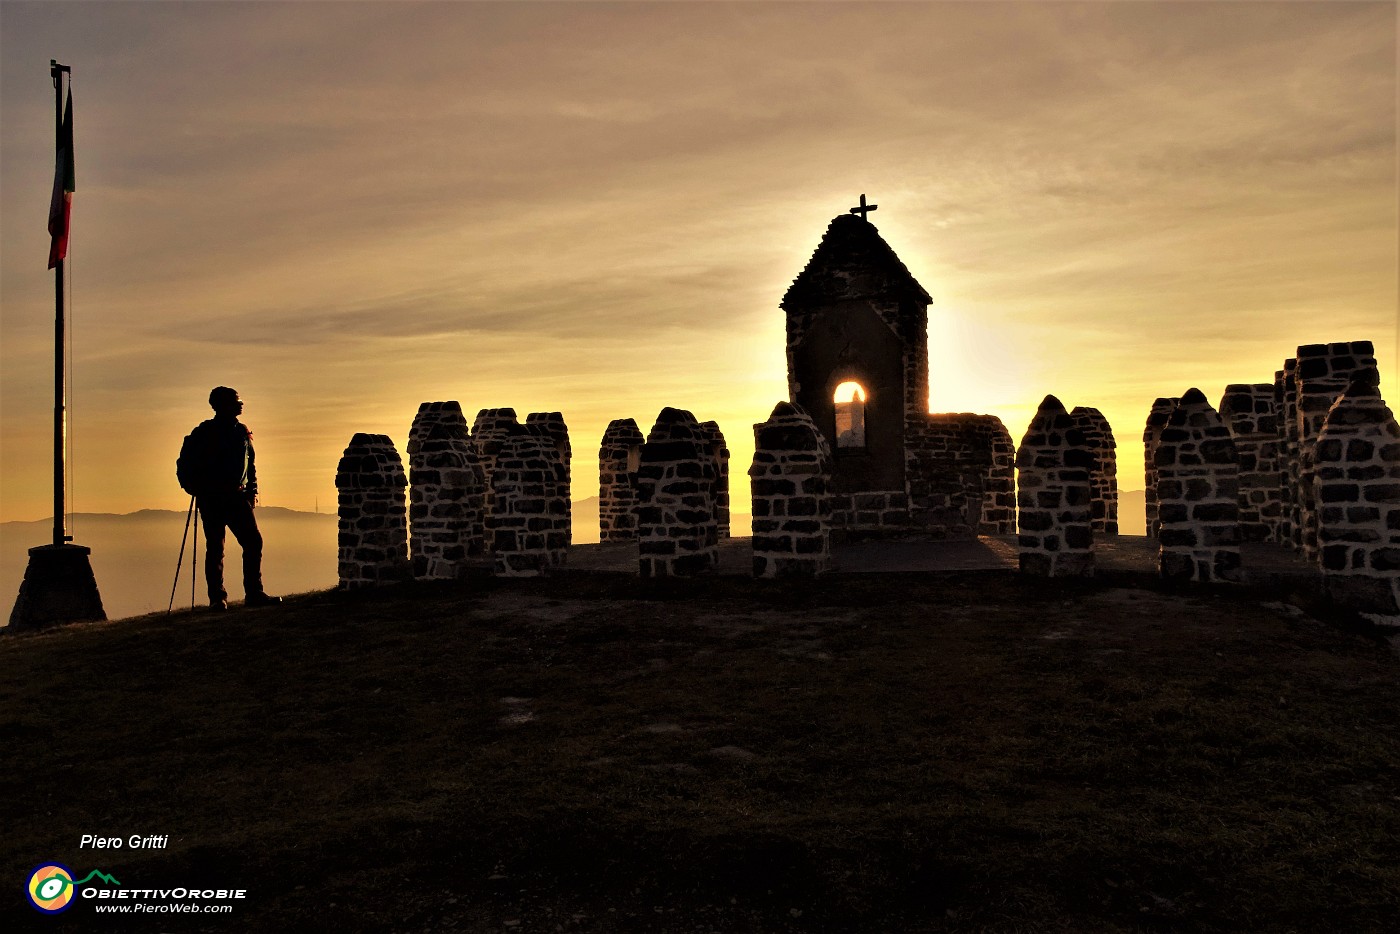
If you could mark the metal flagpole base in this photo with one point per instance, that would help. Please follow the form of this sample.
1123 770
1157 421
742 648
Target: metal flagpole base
59 587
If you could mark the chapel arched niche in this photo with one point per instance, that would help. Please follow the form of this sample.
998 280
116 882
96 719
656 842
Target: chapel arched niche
849 342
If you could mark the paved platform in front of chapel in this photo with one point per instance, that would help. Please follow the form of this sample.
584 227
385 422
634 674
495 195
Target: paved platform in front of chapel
1116 555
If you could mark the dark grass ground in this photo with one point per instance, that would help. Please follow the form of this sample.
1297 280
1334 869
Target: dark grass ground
596 753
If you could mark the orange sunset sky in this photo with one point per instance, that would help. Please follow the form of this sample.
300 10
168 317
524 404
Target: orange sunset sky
344 209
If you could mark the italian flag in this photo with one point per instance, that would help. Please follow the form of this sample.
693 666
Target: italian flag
61 207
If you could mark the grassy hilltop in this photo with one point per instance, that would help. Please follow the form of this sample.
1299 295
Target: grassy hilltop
597 753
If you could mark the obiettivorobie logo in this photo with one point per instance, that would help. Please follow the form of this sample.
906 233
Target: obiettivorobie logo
51 886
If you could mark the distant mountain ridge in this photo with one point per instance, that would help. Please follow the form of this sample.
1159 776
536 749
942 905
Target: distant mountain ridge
263 511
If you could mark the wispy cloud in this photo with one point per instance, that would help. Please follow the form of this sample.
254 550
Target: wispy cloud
345 209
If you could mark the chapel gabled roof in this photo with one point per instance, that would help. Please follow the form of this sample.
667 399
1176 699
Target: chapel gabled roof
852 261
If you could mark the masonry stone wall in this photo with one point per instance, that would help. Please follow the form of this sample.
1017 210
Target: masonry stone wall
619 455
1103 476
1055 520
1284 389
447 497
1357 485
1198 494
714 438
446 504
790 477
527 501
960 476
959 481
1157 419
551 426
1274 429
1289 444
676 478
870 511
489 432
999 482
1323 374
943 470
1250 412
373 520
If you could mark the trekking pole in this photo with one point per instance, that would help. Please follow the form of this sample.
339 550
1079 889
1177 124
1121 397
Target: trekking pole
180 562
194 557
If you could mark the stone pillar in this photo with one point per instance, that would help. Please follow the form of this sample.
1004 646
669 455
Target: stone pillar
790 476
489 432
370 482
618 458
1357 489
58 587
526 500
1198 490
675 499
1248 411
1283 386
1103 476
1324 372
1156 420
1054 517
464 494
553 427
714 438
446 500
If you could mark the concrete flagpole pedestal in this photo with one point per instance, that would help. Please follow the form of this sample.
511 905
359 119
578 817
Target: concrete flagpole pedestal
59 587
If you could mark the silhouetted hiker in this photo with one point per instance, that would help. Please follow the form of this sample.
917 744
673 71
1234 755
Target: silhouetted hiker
216 467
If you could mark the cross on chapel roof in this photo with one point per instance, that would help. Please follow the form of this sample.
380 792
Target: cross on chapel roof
864 209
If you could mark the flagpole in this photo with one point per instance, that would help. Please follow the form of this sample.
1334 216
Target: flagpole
59 586
60 421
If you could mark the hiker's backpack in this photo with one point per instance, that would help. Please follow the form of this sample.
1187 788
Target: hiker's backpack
189 466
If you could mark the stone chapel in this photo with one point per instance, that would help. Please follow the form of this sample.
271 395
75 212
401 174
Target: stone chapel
855 315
